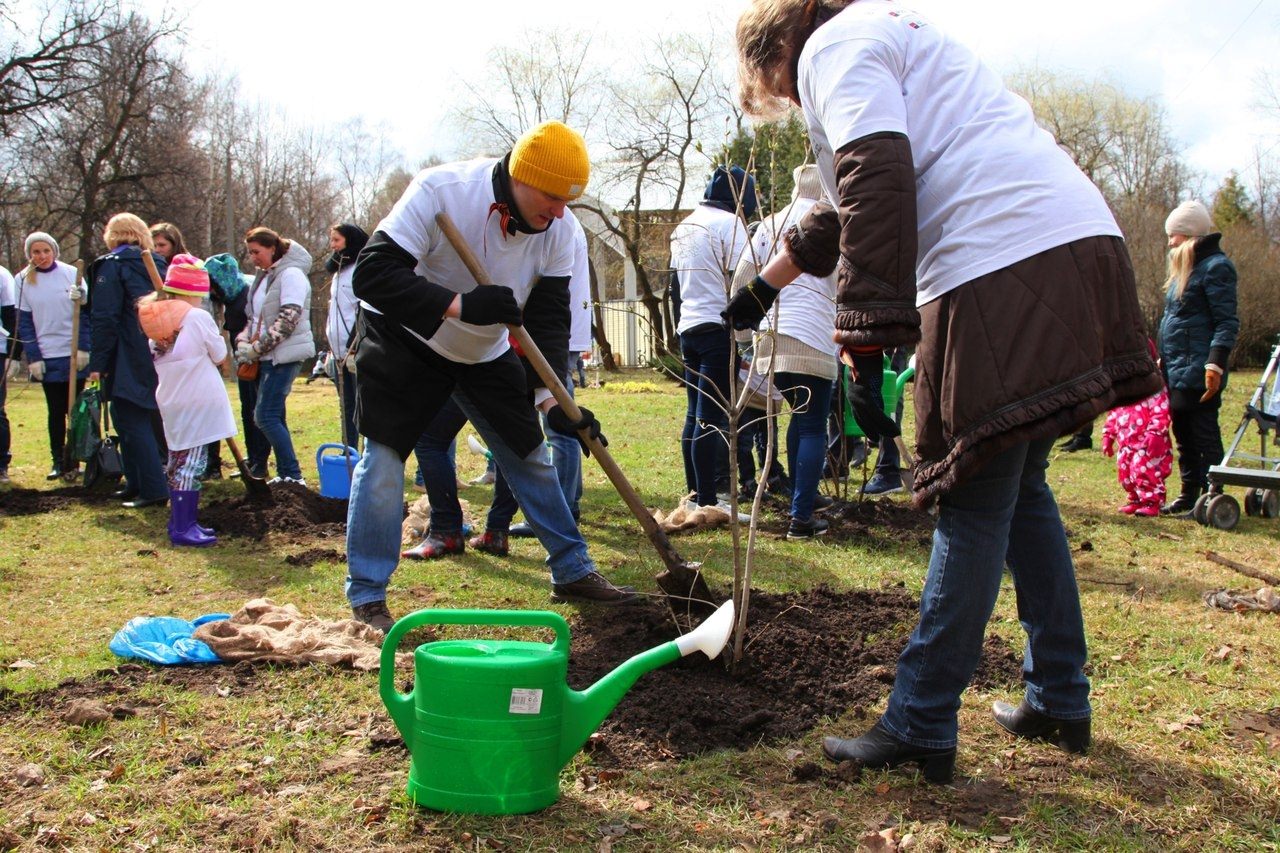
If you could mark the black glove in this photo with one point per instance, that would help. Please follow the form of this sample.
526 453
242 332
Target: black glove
871 418
559 421
748 306
489 305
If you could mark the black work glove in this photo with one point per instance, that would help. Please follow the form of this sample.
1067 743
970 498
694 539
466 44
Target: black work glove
748 306
489 305
559 421
871 418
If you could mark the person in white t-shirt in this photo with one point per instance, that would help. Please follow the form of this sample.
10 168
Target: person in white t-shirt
191 394
795 342
48 296
959 223
345 242
8 362
705 248
426 332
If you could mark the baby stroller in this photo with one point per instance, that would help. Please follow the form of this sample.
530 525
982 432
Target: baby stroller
1258 473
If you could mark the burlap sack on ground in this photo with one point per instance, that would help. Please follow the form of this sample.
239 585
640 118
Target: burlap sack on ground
265 631
419 519
683 519
1234 601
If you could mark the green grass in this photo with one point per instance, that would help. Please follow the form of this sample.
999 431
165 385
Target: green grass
281 757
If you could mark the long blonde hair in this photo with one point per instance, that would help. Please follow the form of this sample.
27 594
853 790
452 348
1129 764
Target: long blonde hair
770 36
1182 259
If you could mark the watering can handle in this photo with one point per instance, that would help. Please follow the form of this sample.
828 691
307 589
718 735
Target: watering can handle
524 618
332 446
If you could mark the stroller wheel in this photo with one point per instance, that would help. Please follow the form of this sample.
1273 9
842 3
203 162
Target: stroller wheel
1198 511
1269 503
1223 512
1253 502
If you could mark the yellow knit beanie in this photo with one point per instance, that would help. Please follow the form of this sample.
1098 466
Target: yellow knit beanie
553 158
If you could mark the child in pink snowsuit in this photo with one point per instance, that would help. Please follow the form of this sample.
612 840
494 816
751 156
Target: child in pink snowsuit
1138 436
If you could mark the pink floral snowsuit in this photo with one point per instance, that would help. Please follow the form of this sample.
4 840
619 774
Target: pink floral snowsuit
1138 436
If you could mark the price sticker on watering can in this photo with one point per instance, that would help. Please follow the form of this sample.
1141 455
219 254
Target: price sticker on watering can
525 701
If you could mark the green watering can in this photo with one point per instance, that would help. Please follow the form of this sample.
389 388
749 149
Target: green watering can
490 723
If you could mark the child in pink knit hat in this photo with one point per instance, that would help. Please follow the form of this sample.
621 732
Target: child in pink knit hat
191 395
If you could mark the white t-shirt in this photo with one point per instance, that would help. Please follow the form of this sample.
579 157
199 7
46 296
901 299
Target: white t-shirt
342 311
992 187
50 308
465 191
705 248
579 293
7 297
191 395
807 306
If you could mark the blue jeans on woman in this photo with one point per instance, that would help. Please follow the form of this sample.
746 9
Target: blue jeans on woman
1004 513
377 509
139 454
706 353
809 398
275 381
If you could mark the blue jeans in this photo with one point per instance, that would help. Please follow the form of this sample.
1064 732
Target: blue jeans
4 418
809 398
275 381
435 454
707 361
1004 513
566 458
139 454
377 509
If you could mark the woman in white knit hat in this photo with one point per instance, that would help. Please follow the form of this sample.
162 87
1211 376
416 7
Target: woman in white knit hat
1197 333
47 296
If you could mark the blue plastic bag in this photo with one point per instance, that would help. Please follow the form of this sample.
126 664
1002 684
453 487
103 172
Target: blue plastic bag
165 639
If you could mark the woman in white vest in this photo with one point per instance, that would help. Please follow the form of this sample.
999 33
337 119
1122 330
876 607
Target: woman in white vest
278 337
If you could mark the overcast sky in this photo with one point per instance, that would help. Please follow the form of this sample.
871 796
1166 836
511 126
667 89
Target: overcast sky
399 64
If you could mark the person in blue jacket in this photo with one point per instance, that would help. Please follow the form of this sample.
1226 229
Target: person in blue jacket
120 359
1197 332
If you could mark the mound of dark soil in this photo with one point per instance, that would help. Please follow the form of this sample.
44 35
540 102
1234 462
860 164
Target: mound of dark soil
18 501
811 655
882 520
291 510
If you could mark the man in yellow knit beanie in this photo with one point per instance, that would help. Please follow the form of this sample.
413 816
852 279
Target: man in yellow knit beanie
431 349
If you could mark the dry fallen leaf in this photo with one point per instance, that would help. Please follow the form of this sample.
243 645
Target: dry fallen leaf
884 841
641 805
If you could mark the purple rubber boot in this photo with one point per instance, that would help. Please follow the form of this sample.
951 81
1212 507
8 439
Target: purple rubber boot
183 529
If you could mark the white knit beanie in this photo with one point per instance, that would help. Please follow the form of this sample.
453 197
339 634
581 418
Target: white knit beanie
808 184
1190 219
41 237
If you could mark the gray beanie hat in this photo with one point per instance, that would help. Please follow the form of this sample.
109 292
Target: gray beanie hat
1190 218
41 237
808 184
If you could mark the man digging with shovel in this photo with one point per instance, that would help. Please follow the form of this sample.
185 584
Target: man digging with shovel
427 332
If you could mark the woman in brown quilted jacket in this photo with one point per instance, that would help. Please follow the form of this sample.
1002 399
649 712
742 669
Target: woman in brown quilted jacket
958 224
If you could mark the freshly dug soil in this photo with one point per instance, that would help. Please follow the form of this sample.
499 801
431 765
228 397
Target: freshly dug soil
812 655
291 510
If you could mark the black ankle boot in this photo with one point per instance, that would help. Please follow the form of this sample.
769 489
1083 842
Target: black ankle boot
878 748
1183 504
1024 721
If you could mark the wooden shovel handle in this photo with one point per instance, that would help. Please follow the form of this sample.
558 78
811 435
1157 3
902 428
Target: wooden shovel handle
150 263
672 560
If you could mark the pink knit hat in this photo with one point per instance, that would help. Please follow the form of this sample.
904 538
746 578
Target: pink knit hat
186 276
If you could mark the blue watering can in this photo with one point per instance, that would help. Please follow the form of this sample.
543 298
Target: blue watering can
336 469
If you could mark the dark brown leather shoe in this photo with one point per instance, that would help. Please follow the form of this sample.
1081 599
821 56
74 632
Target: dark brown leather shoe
594 588
1024 721
374 614
878 748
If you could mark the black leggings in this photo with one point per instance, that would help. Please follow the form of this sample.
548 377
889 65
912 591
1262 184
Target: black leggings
1199 440
55 400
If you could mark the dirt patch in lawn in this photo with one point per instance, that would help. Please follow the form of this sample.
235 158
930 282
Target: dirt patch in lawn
873 520
811 655
19 502
290 510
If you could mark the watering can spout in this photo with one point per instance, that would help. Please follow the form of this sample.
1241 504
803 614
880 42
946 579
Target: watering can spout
585 710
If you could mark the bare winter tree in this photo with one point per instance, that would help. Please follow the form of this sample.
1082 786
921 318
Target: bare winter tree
660 120
550 75
363 159
122 143
56 62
